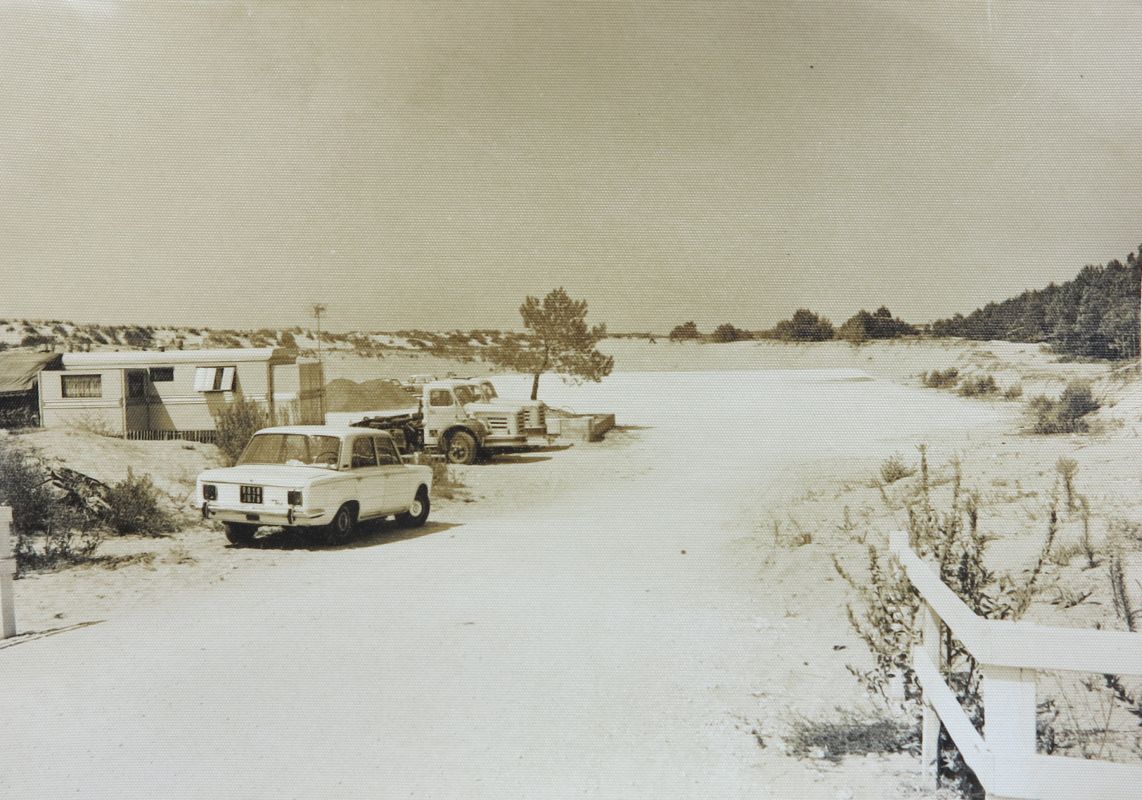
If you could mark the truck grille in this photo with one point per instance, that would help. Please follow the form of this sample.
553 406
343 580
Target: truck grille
505 424
250 494
498 423
538 417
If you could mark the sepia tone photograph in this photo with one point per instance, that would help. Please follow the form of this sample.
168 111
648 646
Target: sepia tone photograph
531 399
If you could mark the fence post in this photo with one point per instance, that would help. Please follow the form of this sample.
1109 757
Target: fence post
7 574
1009 727
930 728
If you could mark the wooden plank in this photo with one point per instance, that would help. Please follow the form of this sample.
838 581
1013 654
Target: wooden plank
930 727
1009 726
1022 645
1059 778
968 741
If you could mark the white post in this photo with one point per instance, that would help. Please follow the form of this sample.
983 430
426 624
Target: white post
7 574
930 727
1009 727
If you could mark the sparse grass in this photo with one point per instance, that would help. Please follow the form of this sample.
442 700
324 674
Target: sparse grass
940 380
446 484
1067 469
797 537
850 734
893 469
1065 415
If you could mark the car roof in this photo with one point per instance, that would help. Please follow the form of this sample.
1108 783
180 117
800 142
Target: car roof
340 431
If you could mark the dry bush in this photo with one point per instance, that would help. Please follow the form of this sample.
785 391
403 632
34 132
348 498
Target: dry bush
940 380
135 506
237 423
980 386
1013 392
893 469
1065 415
48 534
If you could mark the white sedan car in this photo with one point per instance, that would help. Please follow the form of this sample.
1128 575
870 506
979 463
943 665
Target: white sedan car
321 477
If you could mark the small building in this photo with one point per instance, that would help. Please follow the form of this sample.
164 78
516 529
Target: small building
176 394
19 395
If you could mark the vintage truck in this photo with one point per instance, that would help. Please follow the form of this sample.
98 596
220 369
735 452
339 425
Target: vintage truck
450 417
319 477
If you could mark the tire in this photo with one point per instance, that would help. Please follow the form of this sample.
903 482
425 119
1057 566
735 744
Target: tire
417 513
461 448
341 529
238 533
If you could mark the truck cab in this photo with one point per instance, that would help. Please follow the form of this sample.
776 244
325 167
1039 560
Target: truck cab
452 407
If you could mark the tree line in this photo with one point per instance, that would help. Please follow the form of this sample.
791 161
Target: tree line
1095 314
807 326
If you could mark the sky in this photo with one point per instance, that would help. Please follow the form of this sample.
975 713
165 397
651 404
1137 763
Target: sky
428 165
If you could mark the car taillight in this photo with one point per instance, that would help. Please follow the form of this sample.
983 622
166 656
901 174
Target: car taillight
294 498
209 491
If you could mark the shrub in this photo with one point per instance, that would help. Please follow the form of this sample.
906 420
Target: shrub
894 469
1013 392
688 330
236 424
728 333
887 622
135 507
1065 415
47 533
940 380
979 386
803 326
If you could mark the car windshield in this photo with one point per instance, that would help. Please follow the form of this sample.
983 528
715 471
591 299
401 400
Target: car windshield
466 395
294 449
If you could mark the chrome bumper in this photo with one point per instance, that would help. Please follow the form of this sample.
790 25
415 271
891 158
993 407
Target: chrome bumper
273 515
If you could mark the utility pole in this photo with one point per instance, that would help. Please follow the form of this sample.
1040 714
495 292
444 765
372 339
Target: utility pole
318 310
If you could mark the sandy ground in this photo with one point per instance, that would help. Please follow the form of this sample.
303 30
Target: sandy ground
611 620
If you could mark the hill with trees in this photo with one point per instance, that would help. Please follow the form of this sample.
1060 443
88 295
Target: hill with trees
1095 315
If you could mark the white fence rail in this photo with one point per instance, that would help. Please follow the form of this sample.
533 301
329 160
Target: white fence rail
1004 758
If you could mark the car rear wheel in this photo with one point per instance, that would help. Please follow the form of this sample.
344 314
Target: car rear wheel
239 533
341 529
417 513
461 448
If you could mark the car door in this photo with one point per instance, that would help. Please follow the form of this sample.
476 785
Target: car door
397 477
369 475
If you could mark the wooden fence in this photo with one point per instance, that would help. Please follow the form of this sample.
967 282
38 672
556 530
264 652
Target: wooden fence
1005 758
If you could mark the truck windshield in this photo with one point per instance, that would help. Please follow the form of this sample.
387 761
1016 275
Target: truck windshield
296 449
488 391
466 395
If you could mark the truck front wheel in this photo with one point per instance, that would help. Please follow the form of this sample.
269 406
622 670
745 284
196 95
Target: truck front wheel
461 448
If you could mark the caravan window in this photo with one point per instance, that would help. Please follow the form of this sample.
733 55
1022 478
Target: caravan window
214 379
81 385
162 374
